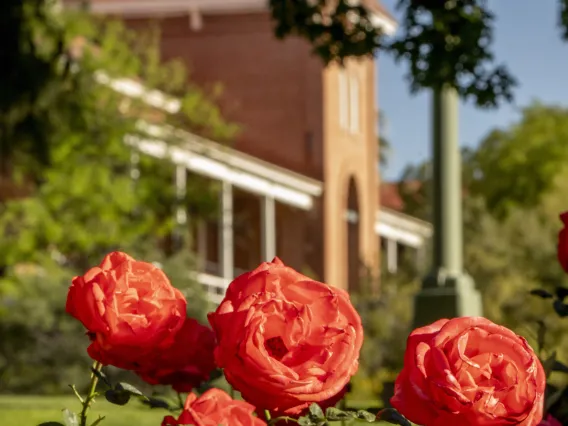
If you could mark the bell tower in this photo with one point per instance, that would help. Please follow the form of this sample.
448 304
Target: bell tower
350 173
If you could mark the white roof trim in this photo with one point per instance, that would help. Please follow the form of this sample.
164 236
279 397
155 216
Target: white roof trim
236 159
133 89
140 8
402 228
211 280
392 233
164 7
283 187
215 160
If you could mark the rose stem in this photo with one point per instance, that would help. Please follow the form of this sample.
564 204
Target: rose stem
91 393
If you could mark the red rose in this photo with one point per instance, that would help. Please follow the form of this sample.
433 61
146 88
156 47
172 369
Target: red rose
550 421
214 408
563 242
286 341
469 371
129 308
187 363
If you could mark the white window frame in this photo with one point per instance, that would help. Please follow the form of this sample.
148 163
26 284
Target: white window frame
344 114
354 105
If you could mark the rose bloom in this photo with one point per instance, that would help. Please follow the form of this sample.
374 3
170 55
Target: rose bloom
187 363
563 242
129 308
469 371
214 408
285 340
550 421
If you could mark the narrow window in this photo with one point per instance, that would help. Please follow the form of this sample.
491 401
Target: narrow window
354 119
343 99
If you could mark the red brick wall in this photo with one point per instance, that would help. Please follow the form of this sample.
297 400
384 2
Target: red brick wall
272 87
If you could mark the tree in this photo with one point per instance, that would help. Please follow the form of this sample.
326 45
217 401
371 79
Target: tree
80 200
514 167
444 42
510 254
34 73
87 184
384 146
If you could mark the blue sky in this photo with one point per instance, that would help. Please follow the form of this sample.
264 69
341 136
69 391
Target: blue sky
527 40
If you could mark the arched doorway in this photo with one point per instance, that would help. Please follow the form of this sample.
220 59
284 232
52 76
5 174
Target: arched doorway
353 251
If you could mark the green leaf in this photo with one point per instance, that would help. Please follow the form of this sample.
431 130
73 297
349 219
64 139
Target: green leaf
541 293
541 335
365 415
70 418
306 421
316 411
552 399
548 364
390 415
561 293
126 387
156 403
559 367
51 424
335 414
117 397
102 377
560 308
96 422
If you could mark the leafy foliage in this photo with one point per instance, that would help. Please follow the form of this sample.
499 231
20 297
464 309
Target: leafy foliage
74 190
537 142
449 43
33 75
317 417
514 187
387 321
335 31
563 21
444 42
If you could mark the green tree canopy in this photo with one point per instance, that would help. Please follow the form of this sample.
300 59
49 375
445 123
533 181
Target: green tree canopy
444 42
514 167
74 190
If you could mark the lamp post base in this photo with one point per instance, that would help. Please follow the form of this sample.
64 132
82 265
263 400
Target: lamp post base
445 295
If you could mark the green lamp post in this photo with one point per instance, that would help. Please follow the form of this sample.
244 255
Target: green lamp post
447 291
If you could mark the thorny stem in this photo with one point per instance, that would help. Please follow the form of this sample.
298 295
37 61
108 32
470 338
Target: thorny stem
74 389
282 419
91 393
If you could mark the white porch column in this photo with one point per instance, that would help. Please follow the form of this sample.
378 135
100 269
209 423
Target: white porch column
181 189
420 258
226 255
392 255
201 240
134 166
268 229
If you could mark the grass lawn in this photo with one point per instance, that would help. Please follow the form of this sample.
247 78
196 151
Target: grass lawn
33 410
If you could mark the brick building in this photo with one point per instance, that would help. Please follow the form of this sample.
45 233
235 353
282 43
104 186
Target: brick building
301 180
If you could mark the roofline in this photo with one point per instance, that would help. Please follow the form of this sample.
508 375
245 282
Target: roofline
234 158
144 8
415 220
134 89
401 227
419 225
226 155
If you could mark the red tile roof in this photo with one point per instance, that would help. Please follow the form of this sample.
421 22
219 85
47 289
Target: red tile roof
389 194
